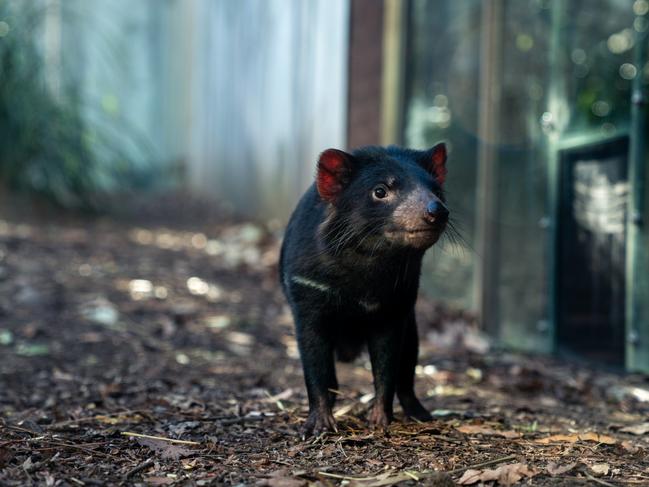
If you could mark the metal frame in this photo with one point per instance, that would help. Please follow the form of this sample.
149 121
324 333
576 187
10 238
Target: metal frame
637 264
550 118
487 234
559 147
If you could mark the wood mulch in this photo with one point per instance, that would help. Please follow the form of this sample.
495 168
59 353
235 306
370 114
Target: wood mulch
133 353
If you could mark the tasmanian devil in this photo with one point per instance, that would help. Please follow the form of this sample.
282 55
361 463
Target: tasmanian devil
350 266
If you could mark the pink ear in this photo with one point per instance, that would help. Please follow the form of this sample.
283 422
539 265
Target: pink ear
436 163
334 169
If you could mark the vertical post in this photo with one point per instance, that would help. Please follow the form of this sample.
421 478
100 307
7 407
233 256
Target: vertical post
553 122
637 263
365 64
177 76
394 53
52 45
486 281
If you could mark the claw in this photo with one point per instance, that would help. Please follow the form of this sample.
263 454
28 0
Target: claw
318 423
379 418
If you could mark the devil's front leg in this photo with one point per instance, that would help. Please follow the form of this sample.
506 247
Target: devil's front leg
315 342
384 344
406 375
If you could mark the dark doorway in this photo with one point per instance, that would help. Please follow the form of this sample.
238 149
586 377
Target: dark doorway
591 251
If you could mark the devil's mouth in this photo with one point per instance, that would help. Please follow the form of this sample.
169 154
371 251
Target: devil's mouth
414 231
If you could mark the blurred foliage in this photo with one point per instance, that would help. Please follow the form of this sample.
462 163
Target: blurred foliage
49 146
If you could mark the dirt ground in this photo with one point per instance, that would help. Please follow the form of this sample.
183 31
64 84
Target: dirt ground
144 354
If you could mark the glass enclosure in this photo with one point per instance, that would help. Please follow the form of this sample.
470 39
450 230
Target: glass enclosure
522 155
566 71
442 74
594 64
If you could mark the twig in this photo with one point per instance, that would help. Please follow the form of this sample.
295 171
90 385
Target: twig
90 419
483 464
598 481
139 468
79 447
23 430
161 438
345 477
21 440
60 444
377 480
446 439
411 475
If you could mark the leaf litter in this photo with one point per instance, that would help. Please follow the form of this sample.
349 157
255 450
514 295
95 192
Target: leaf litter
166 451
130 378
504 475
636 429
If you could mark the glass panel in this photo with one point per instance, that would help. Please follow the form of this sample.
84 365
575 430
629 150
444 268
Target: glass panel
522 174
573 60
592 85
566 75
442 78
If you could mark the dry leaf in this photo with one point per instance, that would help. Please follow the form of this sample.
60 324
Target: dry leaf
381 480
159 480
630 446
509 434
474 429
165 449
479 429
503 475
471 476
281 478
118 419
282 482
600 468
596 437
637 429
286 394
556 469
574 438
6 456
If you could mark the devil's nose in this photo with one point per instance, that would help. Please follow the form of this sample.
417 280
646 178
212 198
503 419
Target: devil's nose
436 211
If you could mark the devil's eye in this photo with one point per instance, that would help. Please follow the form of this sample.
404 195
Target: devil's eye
380 192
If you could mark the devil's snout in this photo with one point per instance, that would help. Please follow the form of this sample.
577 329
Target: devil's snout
436 212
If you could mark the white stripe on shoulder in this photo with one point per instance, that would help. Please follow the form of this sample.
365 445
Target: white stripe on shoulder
310 283
369 306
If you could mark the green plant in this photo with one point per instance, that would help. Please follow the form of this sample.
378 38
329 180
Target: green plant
48 145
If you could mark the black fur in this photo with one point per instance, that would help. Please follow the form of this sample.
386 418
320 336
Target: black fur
351 272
